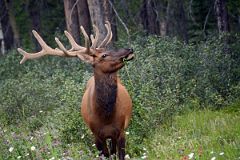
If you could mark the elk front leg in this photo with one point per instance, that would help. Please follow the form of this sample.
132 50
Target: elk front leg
113 146
121 146
102 147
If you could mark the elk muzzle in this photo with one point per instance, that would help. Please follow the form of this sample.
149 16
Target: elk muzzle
125 54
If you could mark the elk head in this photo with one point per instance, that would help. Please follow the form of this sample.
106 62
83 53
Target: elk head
106 61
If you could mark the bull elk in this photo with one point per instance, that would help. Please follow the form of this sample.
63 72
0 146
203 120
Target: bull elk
106 105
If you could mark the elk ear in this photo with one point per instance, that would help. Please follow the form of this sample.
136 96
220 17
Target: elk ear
86 58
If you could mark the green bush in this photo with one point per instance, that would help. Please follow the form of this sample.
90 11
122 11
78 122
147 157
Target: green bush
38 85
166 77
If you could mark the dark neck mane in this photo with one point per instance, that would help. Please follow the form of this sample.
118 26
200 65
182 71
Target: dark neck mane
106 93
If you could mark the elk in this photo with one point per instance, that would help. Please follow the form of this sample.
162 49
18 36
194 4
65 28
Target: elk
106 105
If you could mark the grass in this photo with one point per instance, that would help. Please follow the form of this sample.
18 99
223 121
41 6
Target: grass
204 134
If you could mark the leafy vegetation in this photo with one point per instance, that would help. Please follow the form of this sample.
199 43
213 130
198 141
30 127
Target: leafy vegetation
40 100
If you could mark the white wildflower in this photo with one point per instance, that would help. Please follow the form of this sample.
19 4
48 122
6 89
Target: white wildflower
31 138
52 158
10 149
144 149
94 145
33 148
144 157
82 136
40 111
190 156
127 133
213 158
127 156
27 154
19 157
222 153
211 152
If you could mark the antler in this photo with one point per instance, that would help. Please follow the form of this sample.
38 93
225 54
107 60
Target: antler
106 40
108 37
75 51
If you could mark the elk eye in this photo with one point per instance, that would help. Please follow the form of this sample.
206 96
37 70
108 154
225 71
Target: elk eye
103 56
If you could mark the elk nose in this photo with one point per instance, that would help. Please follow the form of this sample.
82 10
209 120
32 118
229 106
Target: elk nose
130 50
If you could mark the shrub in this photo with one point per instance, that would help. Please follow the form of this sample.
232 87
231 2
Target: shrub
166 77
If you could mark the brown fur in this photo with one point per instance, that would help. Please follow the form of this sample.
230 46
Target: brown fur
103 125
107 107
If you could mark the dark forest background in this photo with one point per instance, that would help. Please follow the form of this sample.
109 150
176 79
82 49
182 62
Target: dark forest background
189 20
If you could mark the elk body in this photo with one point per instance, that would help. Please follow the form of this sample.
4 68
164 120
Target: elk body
106 105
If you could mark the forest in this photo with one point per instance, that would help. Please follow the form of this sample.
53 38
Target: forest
184 80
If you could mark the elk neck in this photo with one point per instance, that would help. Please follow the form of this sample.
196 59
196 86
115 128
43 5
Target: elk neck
105 92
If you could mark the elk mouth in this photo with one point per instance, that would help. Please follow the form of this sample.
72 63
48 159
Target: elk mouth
129 56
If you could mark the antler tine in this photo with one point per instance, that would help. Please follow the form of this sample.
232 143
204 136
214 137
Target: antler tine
60 45
40 40
92 40
70 52
108 37
46 50
76 49
86 38
73 43
95 40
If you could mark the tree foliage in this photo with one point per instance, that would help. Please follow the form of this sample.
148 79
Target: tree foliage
188 20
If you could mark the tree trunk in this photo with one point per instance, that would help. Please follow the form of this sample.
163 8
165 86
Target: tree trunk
97 17
181 21
71 16
143 15
111 17
238 23
84 15
162 9
2 46
13 23
169 15
222 16
6 26
34 13
149 17
153 23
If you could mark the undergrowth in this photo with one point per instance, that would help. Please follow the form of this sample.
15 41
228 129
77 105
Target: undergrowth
40 102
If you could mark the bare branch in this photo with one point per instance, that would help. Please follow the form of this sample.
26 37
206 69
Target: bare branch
124 25
206 20
74 5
